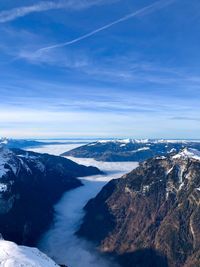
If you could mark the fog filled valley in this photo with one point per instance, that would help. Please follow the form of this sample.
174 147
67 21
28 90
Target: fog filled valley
60 242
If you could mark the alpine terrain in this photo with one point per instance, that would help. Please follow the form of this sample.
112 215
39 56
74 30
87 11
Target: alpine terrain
151 216
30 184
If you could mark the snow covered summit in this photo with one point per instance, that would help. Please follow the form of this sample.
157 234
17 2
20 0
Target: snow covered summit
188 153
12 255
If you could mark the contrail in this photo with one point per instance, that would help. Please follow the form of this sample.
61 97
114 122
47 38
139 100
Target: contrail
143 11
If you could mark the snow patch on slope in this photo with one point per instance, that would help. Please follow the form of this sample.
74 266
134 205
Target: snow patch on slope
3 140
143 149
6 157
3 187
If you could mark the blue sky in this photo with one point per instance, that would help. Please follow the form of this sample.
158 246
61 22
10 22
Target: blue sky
100 68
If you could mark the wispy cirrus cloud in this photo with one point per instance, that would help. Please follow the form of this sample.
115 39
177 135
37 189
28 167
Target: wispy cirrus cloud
15 13
124 69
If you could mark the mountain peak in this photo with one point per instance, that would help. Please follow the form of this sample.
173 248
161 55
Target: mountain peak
188 153
155 206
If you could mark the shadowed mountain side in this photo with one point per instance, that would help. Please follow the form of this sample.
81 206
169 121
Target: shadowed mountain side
31 183
143 258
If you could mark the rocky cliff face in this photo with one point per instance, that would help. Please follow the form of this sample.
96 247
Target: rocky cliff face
30 184
151 216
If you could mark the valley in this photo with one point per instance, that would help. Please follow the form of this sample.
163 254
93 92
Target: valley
60 242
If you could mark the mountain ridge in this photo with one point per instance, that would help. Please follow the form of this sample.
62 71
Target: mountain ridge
149 217
30 184
130 149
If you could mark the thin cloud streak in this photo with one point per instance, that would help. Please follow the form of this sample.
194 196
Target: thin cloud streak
141 12
184 118
10 15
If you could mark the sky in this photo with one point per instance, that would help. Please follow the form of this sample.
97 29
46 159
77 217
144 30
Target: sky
100 68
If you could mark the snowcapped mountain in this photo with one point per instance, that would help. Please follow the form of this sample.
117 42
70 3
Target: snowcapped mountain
12 255
151 217
188 153
130 149
30 184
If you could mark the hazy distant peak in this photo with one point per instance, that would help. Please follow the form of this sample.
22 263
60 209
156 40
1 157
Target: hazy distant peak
145 141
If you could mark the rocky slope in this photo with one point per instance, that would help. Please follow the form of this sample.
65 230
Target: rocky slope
151 216
30 184
130 149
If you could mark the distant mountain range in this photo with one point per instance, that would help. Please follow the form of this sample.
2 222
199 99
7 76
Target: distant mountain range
21 143
25 143
130 149
30 184
151 216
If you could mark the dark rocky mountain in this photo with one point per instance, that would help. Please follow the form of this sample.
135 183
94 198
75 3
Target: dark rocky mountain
151 216
30 184
129 150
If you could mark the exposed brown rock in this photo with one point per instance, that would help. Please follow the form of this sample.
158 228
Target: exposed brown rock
150 217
